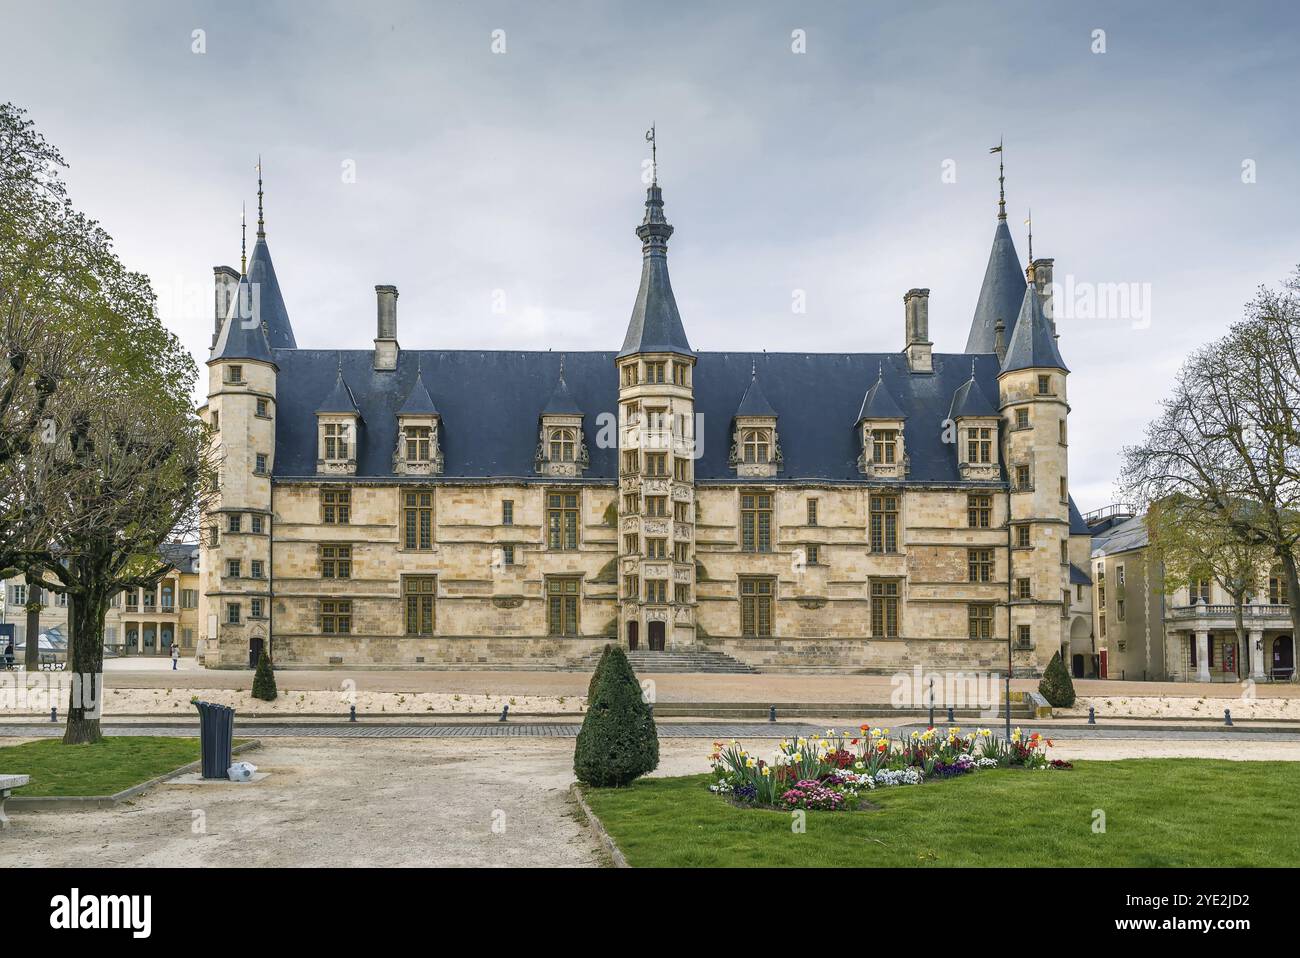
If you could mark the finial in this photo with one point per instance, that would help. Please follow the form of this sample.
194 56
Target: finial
1002 193
561 366
261 222
880 370
339 356
243 239
1029 221
972 367
654 156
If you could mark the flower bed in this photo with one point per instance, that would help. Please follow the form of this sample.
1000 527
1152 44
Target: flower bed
833 772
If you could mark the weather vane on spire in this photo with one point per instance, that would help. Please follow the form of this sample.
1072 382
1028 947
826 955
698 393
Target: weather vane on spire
1029 221
654 156
243 238
1002 192
261 223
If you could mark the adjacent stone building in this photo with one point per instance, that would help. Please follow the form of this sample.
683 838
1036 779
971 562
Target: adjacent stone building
392 507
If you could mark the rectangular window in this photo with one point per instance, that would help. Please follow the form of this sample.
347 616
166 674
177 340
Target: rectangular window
508 555
1023 637
979 445
216 420
419 443
256 571
263 409
1022 537
682 511
19 594
656 548
979 621
1065 603
1022 588
756 607
682 594
631 462
813 554
335 562
1065 553
507 512
1119 573
979 511
1119 610
336 441
259 466
631 587
631 544
1022 417
336 506
631 504
562 520
812 512
884 445
680 552
679 373
979 563
234 374
756 522
417 521
654 372
256 522
884 524
234 522
189 599
336 616
656 590
133 601
418 594
682 469
884 607
254 608
232 568
1022 477
232 613
1060 432
1065 493
562 606
1277 592
656 506
656 464
1044 385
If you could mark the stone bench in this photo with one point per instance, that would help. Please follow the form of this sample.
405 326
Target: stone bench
7 784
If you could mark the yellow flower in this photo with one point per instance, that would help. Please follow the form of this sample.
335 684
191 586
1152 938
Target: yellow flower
750 763
797 757
766 771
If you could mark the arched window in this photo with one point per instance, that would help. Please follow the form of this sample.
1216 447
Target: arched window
757 446
563 445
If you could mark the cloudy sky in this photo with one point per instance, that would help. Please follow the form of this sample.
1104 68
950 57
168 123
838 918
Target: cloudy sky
498 150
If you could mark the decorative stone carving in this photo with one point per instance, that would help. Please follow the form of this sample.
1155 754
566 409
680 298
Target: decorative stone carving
508 601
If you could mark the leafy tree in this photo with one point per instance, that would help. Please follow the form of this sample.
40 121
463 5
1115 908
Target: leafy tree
618 741
122 460
1056 685
264 681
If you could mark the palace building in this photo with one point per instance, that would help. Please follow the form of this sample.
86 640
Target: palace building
431 508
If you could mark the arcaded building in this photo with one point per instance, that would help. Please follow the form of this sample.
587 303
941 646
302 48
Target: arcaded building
423 507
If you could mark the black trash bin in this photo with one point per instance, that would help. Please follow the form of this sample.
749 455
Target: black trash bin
216 732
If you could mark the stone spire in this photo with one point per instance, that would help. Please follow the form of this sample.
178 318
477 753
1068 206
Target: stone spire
1004 283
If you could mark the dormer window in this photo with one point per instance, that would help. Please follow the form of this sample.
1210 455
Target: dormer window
979 445
561 449
564 445
337 442
419 443
975 420
337 422
757 445
418 451
884 447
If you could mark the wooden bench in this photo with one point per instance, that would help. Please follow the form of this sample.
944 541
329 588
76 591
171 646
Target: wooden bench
51 663
7 784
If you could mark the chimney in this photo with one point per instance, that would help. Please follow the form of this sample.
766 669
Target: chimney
386 348
1000 339
916 313
1043 284
226 282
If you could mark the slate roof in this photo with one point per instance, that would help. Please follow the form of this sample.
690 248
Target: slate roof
1078 576
1033 342
269 303
184 556
656 325
1000 295
1124 537
754 403
418 401
561 402
491 432
1077 526
242 336
971 402
879 403
340 398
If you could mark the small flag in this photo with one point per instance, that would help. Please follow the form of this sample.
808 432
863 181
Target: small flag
996 149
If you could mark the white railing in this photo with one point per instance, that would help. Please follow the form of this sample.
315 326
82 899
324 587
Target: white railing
1249 611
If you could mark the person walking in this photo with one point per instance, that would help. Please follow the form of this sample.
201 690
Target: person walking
9 654
176 655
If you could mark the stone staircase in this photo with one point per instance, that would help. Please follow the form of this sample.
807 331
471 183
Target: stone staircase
701 660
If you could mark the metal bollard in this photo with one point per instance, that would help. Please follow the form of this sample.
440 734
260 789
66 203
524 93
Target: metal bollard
1227 716
504 710
1092 715
352 713
951 719
54 713
931 715
771 714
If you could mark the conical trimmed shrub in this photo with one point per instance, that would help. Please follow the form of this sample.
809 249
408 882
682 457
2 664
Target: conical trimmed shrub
264 681
618 741
1056 685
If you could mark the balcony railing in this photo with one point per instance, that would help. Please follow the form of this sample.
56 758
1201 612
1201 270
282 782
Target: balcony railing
1249 611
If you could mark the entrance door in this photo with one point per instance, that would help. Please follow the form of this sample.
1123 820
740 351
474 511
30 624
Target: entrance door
1076 665
1283 657
632 637
254 651
657 636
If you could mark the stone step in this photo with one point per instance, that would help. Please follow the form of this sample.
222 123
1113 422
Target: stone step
645 660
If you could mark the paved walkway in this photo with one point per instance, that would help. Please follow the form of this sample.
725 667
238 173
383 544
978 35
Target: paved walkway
669 687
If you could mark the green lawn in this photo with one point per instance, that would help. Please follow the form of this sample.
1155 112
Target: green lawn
1159 813
100 769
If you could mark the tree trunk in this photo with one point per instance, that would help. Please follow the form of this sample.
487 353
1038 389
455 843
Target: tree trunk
1238 601
86 661
32 658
